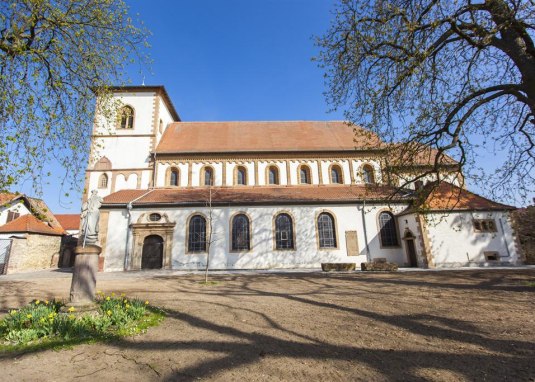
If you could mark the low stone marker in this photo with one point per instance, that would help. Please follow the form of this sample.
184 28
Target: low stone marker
338 267
379 265
84 277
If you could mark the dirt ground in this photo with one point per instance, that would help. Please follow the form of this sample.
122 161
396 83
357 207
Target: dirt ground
476 325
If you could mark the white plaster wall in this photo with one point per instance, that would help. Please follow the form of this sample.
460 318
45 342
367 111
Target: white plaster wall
143 105
326 175
250 172
409 222
357 167
165 117
262 254
454 242
196 170
263 175
114 252
93 183
123 151
17 207
314 171
450 177
145 179
127 181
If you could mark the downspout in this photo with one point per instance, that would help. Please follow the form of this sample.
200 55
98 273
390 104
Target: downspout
129 207
368 256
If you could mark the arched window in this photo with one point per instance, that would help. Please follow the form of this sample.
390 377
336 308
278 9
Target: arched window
127 118
326 231
208 176
387 230
197 234
241 240
273 175
284 237
336 174
304 175
103 181
174 177
367 174
241 175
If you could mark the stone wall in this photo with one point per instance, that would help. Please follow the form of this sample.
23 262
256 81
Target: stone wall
34 252
524 224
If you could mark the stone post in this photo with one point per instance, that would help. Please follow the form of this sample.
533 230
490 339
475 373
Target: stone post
84 278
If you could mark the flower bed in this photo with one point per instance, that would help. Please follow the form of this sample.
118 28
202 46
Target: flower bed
43 322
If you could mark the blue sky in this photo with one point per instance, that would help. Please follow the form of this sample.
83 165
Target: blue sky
229 60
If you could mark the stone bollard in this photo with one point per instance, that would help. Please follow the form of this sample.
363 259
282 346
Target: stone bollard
84 278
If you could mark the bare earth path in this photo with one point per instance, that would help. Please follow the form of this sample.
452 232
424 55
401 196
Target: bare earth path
430 326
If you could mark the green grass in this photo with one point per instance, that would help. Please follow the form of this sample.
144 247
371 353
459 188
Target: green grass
209 283
530 283
41 325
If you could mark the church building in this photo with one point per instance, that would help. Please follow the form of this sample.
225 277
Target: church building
274 194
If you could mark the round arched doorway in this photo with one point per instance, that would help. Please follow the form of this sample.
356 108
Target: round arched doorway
152 255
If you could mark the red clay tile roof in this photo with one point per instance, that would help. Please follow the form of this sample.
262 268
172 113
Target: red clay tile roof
277 136
448 197
253 195
69 221
6 197
400 155
29 223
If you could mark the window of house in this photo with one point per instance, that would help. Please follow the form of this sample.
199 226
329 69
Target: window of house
208 176
492 256
336 175
197 234
241 240
127 118
304 175
284 238
173 177
12 215
273 175
103 181
368 174
241 176
484 225
387 230
326 232
155 217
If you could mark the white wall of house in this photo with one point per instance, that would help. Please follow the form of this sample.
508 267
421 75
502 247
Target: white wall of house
455 243
17 207
263 253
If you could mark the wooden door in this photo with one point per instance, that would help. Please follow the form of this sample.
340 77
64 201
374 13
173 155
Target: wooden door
152 255
411 251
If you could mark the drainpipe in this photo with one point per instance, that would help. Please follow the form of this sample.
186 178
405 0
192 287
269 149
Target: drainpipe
128 252
368 256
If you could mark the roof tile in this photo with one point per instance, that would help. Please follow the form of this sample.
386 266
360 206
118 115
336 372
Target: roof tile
279 136
29 223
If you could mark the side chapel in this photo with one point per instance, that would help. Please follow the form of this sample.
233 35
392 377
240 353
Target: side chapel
275 194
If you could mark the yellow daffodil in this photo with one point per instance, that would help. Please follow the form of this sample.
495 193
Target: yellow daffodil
46 302
108 298
29 315
13 312
108 312
112 294
122 295
71 309
127 306
37 302
72 316
147 302
125 301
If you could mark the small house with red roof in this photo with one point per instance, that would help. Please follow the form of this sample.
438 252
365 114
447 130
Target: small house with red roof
30 235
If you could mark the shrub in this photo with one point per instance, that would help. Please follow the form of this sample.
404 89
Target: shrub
42 320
